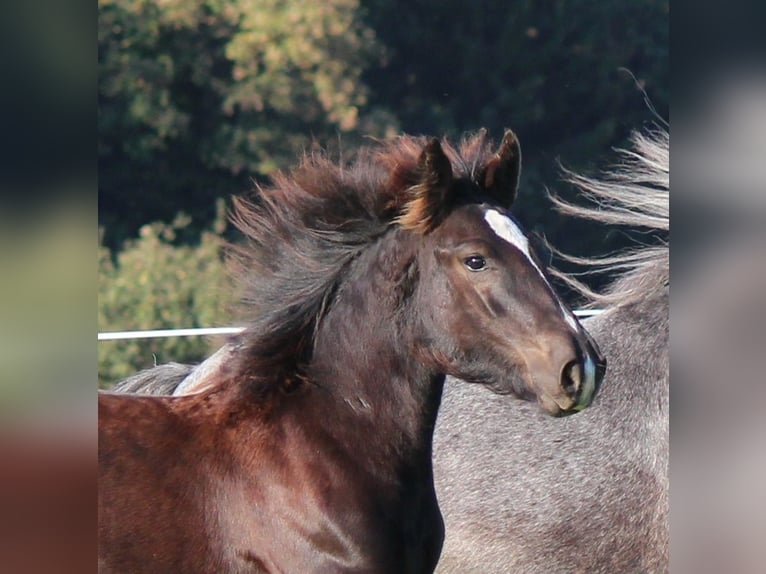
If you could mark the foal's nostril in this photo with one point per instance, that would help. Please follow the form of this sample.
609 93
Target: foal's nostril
571 377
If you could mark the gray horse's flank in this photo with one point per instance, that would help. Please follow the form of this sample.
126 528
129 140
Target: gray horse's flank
521 492
589 493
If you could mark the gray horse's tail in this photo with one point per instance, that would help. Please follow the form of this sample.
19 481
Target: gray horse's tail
635 193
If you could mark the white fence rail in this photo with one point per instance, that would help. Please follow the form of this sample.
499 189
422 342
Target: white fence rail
164 333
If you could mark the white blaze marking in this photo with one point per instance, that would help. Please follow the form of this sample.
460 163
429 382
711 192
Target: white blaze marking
506 229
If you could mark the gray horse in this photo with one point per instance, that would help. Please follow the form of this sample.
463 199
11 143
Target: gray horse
521 492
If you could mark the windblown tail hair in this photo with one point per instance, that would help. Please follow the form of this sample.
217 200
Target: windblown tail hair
635 193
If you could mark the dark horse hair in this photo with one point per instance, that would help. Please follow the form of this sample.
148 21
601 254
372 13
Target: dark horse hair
304 230
588 494
305 444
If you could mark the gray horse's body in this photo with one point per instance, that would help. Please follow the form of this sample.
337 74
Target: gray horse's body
585 494
523 493
588 493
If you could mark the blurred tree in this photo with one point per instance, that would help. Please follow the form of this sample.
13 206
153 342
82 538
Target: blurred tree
198 96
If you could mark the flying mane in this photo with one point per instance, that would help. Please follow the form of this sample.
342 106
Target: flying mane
304 229
635 193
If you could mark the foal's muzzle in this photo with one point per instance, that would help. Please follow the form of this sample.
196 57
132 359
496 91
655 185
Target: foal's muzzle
582 370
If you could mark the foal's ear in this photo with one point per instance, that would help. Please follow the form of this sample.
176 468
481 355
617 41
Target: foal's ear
426 199
500 176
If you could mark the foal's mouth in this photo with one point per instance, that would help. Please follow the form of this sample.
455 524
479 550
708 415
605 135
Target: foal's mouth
579 383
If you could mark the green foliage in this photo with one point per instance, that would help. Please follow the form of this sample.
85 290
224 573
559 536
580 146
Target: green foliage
250 81
154 284
198 96
296 70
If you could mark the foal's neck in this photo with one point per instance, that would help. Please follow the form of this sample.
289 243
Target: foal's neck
365 359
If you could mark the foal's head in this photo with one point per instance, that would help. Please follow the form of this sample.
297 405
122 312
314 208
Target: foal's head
475 302
487 312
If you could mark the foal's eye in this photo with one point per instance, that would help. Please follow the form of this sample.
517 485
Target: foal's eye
475 262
